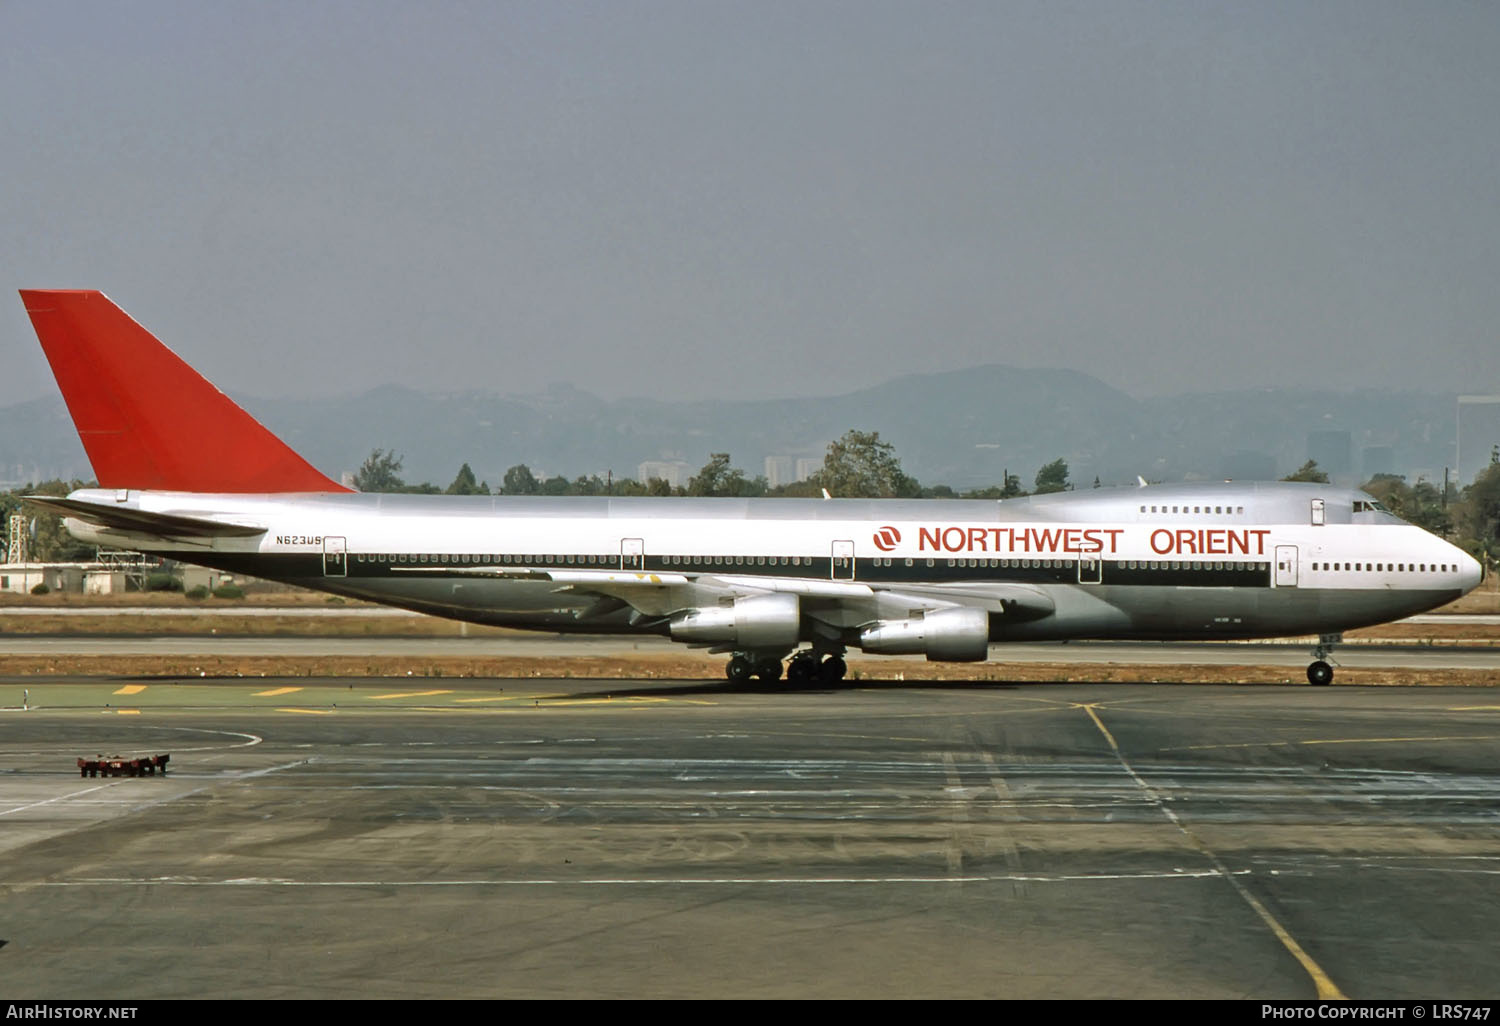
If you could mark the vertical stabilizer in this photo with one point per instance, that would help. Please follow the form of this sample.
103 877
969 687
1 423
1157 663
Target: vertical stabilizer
147 419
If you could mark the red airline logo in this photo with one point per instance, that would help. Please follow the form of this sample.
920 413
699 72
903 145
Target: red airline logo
887 538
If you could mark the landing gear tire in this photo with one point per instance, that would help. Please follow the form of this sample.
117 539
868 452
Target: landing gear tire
739 670
832 669
768 670
1320 673
802 669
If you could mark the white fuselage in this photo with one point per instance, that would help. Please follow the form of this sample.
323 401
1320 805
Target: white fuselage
1182 561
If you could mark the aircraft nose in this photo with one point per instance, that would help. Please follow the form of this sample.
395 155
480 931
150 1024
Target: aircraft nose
1472 572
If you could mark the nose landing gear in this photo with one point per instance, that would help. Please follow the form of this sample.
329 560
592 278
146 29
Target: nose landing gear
1320 673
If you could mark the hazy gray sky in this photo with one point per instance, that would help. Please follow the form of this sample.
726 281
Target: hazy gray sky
761 199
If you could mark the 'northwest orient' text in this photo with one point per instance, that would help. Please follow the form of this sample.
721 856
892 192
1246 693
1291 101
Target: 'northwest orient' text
1183 541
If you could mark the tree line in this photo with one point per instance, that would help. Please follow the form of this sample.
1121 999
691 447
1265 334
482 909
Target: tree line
862 465
858 465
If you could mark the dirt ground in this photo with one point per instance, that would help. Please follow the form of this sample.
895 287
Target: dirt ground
217 616
259 594
689 667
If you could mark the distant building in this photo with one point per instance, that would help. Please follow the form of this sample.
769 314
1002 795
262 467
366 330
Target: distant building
20 578
784 470
1249 465
1376 459
1478 434
778 471
205 578
1333 452
115 570
19 476
105 582
673 472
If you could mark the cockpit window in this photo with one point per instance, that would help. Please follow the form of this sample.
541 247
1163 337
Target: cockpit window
1362 506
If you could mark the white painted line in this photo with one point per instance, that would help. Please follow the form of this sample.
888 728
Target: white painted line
720 881
225 611
250 741
59 798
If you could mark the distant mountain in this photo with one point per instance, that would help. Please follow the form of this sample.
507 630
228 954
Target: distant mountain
962 428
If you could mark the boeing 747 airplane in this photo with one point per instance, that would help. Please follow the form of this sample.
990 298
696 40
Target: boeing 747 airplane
781 585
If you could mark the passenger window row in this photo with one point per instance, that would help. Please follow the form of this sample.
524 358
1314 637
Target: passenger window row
612 561
485 559
741 560
1199 510
573 559
1420 568
1173 564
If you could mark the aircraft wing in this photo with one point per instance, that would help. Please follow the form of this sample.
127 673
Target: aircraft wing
657 593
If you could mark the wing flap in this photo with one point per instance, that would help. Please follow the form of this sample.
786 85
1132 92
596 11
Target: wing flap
579 578
656 593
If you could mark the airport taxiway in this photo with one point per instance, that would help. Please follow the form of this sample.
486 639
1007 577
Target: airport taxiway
1134 653
528 838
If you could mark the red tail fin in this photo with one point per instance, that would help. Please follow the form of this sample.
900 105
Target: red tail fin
147 419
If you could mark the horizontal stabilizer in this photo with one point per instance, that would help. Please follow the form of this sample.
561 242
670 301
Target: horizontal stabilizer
123 518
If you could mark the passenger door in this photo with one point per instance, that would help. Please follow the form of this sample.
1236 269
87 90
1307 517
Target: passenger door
842 564
335 557
632 554
1286 566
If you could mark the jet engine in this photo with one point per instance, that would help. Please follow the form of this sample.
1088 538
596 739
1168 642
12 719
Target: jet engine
756 623
960 635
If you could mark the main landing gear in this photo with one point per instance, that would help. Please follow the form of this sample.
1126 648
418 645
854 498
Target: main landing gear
809 666
1319 672
744 665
